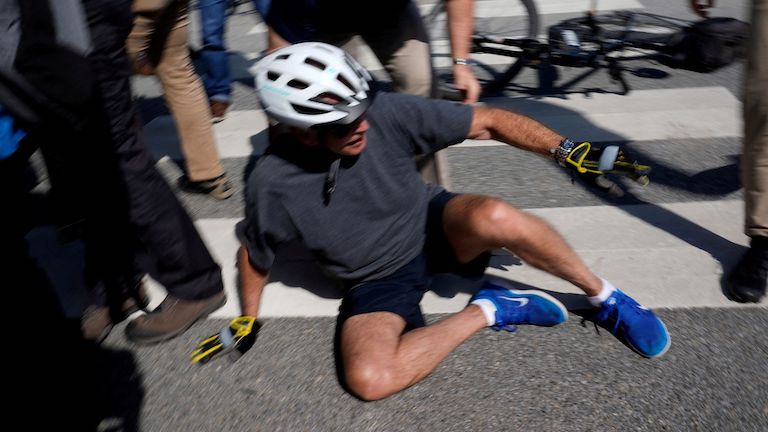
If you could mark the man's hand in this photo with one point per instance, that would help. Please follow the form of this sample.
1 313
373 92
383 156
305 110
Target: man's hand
699 7
592 163
234 340
466 83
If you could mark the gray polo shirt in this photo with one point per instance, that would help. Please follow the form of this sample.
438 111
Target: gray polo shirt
374 221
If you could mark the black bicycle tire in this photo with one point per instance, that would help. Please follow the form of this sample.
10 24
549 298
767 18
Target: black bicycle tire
500 82
508 72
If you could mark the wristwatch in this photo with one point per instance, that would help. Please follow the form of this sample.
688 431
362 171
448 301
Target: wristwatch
562 151
460 61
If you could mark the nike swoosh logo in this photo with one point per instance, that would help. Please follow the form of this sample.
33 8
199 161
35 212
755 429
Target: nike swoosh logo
523 301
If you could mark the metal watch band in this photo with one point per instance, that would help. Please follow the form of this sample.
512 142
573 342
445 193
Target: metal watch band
563 150
460 61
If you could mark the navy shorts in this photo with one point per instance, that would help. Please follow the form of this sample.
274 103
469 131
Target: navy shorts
402 291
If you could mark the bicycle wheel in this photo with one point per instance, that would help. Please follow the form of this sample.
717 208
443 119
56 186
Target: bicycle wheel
501 27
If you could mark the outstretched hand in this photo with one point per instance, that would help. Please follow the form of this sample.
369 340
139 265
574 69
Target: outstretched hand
234 340
593 164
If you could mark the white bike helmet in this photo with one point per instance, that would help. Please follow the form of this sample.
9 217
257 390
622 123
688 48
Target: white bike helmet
312 84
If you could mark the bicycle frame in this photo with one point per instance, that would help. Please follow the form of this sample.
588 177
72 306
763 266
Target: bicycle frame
534 52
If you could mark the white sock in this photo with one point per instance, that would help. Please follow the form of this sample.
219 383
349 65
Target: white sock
606 292
488 308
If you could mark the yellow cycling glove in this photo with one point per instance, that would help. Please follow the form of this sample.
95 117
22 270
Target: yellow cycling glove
233 340
592 163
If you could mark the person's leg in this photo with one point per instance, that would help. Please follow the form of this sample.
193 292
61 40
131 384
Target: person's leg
474 224
380 351
213 54
747 281
755 156
380 360
402 47
385 345
182 89
179 259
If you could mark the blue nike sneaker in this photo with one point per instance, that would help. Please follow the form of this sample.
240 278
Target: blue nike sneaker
514 307
633 324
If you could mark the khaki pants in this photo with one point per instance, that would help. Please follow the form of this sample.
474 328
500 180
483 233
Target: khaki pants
754 162
159 35
401 46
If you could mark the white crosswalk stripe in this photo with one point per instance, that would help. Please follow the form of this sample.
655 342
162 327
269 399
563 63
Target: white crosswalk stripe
658 269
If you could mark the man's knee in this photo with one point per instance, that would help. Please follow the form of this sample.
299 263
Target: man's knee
487 215
369 381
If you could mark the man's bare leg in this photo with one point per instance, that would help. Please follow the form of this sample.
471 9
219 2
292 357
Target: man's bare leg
475 224
380 360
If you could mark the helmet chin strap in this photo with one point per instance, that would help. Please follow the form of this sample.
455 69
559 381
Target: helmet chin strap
331 179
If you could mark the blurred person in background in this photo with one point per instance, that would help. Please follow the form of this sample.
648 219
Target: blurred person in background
746 283
157 45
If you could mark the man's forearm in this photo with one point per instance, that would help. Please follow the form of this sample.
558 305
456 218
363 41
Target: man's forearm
252 282
514 129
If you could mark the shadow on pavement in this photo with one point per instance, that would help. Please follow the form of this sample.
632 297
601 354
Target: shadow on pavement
72 384
310 277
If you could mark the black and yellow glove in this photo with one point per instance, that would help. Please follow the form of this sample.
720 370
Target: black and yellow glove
233 340
592 163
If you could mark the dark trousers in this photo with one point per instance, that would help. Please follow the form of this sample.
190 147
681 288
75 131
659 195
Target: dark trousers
178 258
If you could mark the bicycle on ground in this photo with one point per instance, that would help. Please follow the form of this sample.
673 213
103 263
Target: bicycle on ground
506 39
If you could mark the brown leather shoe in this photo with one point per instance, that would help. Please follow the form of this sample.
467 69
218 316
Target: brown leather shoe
219 110
142 65
171 318
97 321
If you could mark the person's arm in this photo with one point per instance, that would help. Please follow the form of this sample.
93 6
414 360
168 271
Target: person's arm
274 41
514 129
240 334
461 19
590 162
699 7
252 282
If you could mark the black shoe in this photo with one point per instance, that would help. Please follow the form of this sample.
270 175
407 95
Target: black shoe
746 283
219 187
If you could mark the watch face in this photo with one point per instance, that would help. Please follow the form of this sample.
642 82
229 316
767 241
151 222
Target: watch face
563 150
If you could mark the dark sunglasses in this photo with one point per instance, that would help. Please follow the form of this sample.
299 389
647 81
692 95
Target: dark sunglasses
340 130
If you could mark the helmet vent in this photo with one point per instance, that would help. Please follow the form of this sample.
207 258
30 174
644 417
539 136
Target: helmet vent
328 98
273 76
315 63
345 82
297 84
301 109
282 57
